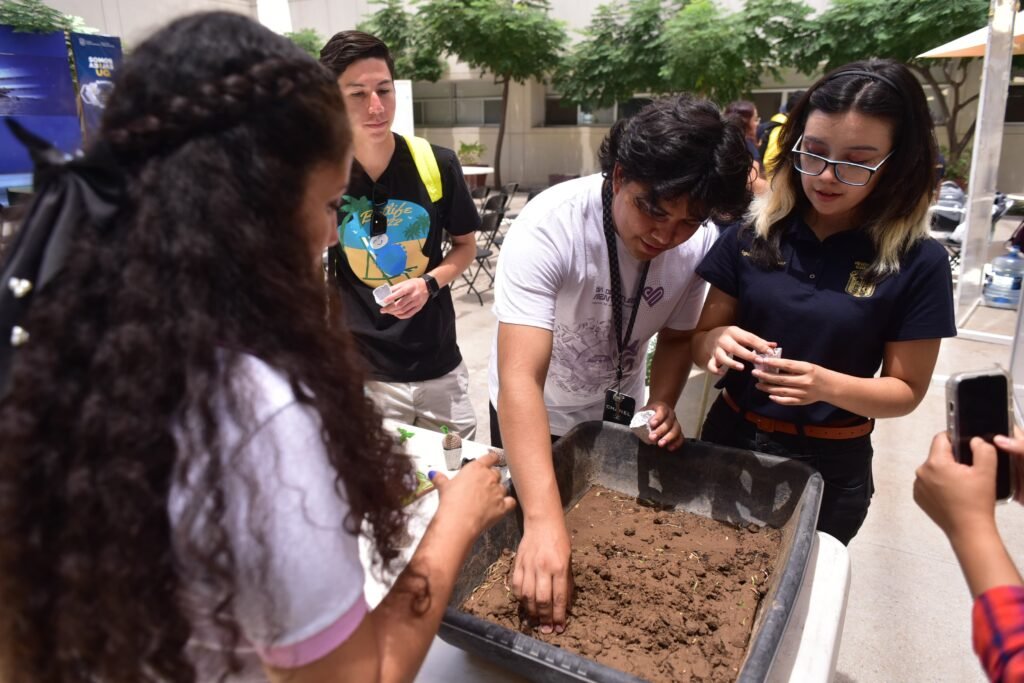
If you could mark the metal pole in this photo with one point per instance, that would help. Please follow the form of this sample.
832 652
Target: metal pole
988 138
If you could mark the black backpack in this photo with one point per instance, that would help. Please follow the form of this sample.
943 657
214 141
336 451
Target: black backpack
765 136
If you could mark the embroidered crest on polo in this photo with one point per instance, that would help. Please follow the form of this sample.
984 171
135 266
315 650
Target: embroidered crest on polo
19 286
857 287
19 336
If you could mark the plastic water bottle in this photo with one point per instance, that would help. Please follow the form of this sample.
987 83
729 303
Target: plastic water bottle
1002 286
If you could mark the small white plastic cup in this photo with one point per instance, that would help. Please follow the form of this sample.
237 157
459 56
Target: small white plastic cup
452 458
381 293
771 353
639 425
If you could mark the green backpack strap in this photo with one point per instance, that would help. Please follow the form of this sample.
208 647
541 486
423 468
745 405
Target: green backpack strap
426 164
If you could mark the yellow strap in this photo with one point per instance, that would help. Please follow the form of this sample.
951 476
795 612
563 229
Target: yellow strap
426 164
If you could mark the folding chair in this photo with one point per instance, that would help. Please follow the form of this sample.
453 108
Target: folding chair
479 194
509 189
496 203
488 227
500 239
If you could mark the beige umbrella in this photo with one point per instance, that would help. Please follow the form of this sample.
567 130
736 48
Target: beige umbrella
973 44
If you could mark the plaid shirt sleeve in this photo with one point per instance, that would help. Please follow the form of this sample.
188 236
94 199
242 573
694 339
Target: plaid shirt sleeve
998 620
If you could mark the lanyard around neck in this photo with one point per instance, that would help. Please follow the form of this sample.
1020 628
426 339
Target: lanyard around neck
616 277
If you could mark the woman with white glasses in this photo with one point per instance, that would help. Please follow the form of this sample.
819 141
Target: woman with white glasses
833 277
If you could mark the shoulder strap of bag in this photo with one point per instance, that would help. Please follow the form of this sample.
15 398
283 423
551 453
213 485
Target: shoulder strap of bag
766 137
426 165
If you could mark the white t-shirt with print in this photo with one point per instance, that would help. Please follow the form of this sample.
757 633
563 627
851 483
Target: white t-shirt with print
282 509
553 274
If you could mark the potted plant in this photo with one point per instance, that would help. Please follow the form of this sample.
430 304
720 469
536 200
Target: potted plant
470 152
469 155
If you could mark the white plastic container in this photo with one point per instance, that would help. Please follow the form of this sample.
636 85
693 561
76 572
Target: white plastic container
1003 283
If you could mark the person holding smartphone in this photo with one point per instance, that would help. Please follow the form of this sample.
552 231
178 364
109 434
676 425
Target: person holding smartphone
960 499
836 273
187 455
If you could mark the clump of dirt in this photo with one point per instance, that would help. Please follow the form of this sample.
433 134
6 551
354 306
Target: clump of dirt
661 594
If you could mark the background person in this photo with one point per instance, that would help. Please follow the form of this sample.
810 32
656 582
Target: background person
838 271
768 133
744 114
960 499
418 373
188 502
619 245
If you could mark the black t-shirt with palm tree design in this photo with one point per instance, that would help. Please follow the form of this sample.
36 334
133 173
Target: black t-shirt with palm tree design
424 346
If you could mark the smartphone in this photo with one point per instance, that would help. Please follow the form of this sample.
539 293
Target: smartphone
978 404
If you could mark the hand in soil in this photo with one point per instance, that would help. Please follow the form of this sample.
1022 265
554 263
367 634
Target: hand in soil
665 428
475 499
661 594
542 578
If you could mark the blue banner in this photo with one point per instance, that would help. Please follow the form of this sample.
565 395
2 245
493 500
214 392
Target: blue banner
97 59
36 88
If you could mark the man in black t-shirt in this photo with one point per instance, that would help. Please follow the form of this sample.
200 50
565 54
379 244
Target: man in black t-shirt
403 195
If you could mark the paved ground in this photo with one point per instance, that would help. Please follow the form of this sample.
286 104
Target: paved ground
908 616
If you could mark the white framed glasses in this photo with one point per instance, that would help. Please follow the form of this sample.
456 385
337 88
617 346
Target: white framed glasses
845 172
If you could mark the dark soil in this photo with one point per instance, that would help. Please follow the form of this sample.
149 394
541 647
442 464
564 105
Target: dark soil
663 595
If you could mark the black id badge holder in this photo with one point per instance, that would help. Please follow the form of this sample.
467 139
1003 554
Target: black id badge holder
618 407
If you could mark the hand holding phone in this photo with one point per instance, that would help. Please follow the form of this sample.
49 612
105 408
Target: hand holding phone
978 404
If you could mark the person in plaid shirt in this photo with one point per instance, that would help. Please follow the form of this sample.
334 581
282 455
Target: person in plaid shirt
961 500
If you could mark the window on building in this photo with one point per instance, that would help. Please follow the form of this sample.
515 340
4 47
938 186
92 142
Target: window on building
456 103
1015 104
560 113
768 103
632 106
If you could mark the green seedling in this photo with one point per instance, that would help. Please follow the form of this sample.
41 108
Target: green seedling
404 435
423 487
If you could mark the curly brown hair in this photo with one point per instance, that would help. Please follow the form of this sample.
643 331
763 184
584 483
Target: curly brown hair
217 124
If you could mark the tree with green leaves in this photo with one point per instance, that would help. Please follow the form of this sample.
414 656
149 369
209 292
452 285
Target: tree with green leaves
852 30
515 40
724 55
414 54
620 55
309 40
662 46
32 16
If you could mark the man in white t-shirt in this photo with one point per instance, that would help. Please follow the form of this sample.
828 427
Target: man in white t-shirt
589 272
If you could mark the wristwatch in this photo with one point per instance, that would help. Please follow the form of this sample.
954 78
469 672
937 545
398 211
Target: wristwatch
432 287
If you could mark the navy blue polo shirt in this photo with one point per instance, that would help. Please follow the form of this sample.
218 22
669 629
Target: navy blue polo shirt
818 310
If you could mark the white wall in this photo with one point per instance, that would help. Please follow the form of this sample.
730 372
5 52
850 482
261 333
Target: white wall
1011 160
134 20
327 17
531 152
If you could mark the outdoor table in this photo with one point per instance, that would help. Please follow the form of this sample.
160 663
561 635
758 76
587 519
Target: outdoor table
477 170
809 648
476 176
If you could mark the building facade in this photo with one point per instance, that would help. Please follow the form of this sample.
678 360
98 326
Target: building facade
544 138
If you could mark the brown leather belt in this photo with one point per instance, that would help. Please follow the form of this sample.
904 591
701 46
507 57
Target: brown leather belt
769 425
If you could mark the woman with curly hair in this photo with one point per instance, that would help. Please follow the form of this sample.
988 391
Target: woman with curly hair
186 454
836 271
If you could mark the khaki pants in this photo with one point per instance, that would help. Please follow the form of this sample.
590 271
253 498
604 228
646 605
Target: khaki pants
429 404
